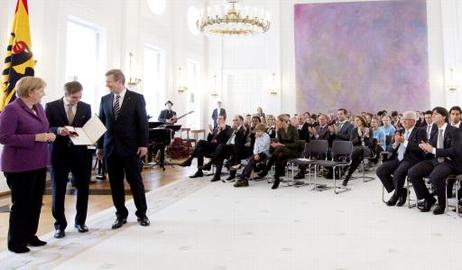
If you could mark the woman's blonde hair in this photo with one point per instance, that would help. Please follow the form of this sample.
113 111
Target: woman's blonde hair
284 118
28 84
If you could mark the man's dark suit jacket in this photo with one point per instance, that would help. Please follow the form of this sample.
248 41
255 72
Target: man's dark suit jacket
166 114
345 132
57 117
222 136
453 154
215 115
129 131
413 153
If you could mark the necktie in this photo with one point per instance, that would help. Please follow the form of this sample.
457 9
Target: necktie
402 148
116 108
440 144
231 139
429 129
70 114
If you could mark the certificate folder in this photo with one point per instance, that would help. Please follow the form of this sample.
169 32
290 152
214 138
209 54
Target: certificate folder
89 133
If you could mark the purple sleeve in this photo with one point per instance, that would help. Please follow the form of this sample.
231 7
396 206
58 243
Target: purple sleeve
8 128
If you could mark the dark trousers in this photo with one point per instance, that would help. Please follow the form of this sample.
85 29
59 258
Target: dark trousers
131 167
359 152
437 172
222 152
393 174
80 167
279 158
203 149
251 165
26 195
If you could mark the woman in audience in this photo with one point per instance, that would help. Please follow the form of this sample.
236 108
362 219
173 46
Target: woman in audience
24 133
271 126
361 137
287 146
379 143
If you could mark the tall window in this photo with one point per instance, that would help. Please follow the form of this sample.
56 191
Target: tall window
194 94
154 80
83 61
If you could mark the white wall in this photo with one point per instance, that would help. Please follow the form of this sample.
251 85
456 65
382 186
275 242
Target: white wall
127 25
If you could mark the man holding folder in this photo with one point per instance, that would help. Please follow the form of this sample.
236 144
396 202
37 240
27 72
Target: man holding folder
67 157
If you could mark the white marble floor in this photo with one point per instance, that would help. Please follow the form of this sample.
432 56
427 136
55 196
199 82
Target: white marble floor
202 225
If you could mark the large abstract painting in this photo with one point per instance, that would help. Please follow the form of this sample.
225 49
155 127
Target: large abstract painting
363 56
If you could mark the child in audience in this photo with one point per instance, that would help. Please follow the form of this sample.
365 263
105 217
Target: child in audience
260 153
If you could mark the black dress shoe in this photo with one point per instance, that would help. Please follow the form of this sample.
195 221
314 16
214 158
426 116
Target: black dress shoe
231 176
215 178
428 203
263 173
439 210
345 182
36 242
81 228
276 183
59 233
402 198
241 183
18 249
393 199
206 167
299 176
197 174
144 221
185 163
119 222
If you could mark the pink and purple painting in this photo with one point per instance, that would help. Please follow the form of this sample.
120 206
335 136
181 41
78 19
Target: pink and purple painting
362 56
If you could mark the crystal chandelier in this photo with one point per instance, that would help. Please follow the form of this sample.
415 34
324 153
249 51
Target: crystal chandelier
232 21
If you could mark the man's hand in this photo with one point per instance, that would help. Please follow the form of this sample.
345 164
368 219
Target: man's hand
100 154
426 147
142 151
64 132
256 157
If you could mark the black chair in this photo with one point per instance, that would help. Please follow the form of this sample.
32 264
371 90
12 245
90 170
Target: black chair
314 150
341 158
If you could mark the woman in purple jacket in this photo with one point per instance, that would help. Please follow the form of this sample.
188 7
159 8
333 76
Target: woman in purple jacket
24 135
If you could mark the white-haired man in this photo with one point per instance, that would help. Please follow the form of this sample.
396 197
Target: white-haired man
406 153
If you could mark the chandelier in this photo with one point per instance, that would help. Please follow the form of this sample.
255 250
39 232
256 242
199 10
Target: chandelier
231 21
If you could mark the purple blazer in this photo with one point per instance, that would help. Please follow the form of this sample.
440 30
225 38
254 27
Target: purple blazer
18 126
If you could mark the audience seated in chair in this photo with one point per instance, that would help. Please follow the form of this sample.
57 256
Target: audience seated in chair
405 154
260 153
205 148
286 147
443 151
361 137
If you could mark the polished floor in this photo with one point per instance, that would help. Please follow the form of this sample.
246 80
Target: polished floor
100 199
196 224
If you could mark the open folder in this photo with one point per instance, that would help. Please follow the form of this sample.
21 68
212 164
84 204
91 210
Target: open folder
89 133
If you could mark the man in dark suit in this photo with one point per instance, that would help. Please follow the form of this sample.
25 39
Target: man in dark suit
168 115
124 114
217 112
205 148
66 157
235 144
405 154
436 166
343 127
